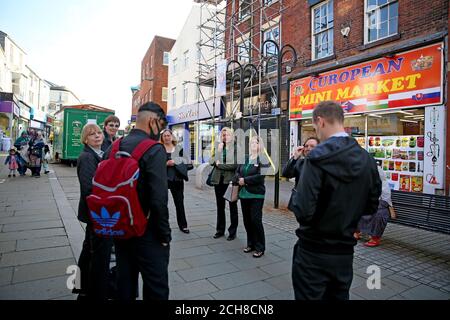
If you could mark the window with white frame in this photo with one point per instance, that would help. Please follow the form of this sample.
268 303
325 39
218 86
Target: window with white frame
174 66
185 93
164 94
166 58
186 59
174 96
245 9
381 19
244 51
322 30
270 49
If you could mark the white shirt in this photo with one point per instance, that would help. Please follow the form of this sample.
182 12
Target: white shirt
340 134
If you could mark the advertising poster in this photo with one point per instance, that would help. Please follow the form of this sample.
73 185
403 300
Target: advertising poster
401 158
434 152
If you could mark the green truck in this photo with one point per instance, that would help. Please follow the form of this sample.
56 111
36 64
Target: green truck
69 123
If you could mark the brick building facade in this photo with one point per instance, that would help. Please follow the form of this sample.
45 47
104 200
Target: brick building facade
360 32
154 73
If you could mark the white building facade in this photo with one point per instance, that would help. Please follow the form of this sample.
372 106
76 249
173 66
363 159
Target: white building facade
189 105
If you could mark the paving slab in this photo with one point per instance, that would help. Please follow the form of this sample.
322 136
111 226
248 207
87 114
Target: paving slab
250 291
239 278
43 270
423 292
32 225
35 256
36 290
208 271
57 241
191 290
6 275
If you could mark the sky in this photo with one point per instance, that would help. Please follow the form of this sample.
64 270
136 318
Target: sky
93 47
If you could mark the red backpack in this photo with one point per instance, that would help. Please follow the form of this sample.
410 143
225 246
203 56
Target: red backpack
114 204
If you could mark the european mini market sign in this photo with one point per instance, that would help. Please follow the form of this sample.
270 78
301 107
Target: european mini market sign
409 79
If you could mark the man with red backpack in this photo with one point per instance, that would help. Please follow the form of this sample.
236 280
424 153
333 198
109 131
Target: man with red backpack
147 251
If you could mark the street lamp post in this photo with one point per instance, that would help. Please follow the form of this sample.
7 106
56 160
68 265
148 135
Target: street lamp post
241 72
279 54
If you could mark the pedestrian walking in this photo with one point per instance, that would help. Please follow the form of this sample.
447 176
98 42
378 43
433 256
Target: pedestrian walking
21 144
224 162
251 194
374 225
177 173
96 252
36 145
110 128
46 159
12 162
339 183
148 254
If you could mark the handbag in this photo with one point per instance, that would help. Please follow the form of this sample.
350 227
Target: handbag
392 213
35 152
232 193
208 180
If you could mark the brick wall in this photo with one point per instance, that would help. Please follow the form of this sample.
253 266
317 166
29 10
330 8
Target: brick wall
154 75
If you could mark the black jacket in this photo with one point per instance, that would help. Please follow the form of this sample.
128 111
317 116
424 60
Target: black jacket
254 180
179 172
107 142
152 183
293 169
339 183
86 166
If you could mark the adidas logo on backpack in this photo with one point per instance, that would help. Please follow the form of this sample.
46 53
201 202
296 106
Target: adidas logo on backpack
114 204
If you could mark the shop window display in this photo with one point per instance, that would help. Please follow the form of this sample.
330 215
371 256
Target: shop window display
394 138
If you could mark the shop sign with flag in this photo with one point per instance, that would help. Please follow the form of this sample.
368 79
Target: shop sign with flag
409 79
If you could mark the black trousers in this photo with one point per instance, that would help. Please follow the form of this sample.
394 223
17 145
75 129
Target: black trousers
94 265
320 276
177 190
252 215
147 256
220 201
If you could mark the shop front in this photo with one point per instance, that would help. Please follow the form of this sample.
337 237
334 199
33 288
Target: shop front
38 120
9 115
25 115
393 107
193 127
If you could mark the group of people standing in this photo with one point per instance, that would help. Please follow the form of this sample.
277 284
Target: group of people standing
336 195
29 152
249 179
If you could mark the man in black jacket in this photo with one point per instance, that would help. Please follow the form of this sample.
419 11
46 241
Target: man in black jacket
339 183
149 254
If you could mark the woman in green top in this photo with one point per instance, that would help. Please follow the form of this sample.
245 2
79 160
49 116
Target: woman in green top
251 194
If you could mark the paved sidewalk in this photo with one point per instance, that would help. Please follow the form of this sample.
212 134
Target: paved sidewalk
40 237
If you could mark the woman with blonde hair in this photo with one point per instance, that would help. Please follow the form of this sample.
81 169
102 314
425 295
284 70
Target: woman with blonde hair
96 252
252 192
177 172
224 161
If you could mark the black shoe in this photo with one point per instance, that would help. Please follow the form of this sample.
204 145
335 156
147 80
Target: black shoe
185 230
9 176
14 175
218 235
258 254
231 238
46 172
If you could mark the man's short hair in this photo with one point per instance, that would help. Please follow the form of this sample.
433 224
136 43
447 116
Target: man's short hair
155 108
331 111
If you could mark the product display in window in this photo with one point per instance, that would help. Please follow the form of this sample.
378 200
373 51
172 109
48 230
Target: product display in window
401 157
